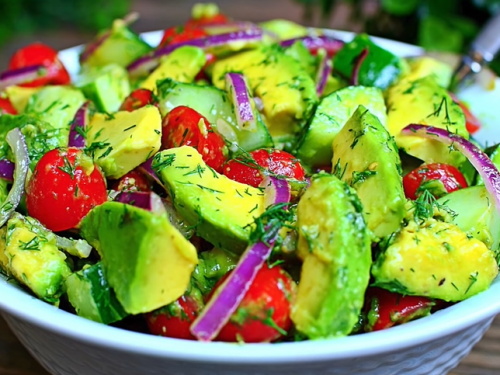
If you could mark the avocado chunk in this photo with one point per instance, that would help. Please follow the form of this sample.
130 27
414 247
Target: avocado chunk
123 140
287 91
284 29
315 148
479 220
334 244
33 258
91 296
221 210
424 102
366 158
182 65
40 136
56 105
214 104
423 66
147 262
106 86
19 96
116 45
380 68
435 259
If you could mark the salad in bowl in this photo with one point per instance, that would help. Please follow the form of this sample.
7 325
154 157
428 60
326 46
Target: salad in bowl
244 183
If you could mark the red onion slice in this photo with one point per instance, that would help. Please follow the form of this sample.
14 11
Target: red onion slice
238 93
16 141
209 43
147 169
484 166
230 293
146 200
7 170
324 70
357 66
79 126
26 74
313 43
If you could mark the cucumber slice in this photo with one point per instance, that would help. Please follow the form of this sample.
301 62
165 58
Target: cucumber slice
214 104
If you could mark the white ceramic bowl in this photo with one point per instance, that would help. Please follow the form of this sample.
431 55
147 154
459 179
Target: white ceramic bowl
66 344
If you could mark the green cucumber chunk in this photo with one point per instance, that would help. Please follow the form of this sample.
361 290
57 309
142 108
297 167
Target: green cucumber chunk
215 105
315 148
90 294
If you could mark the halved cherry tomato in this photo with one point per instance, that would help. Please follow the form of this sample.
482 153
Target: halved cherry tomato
66 184
184 126
251 170
138 99
264 313
175 319
41 54
387 309
179 34
132 181
472 123
7 107
438 178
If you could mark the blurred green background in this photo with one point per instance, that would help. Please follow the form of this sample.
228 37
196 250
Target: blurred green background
438 25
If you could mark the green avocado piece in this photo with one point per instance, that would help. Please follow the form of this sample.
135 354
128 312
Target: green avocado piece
302 55
315 147
106 86
479 220
423 101
222 210
117 45
182 65
422 66
286 89
147 262
40 136
334 244
380 68
366 157
284 29
434 259
89 293
214 104
32 257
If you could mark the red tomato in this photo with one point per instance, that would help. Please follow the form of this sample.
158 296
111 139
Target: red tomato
451 179
264 313
178 34
212 20
138 99
6 106
132 181
184 126
174 319
387 309
64 187
38 53
472 123
250 171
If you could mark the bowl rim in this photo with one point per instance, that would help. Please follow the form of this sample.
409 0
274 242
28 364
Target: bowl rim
473 311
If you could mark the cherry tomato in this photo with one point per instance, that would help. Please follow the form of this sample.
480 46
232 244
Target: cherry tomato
264 313
438 178
178 34
387 309
216 19
138 99
184 126
251 170
472 123
7 107
175 319
66 184
132 181
41 54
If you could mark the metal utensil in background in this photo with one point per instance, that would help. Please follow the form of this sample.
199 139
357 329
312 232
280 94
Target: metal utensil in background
481 52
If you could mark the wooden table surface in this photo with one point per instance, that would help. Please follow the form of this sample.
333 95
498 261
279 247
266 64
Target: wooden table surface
484 358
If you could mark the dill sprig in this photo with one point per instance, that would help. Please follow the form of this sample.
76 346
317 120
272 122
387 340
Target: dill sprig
268 225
